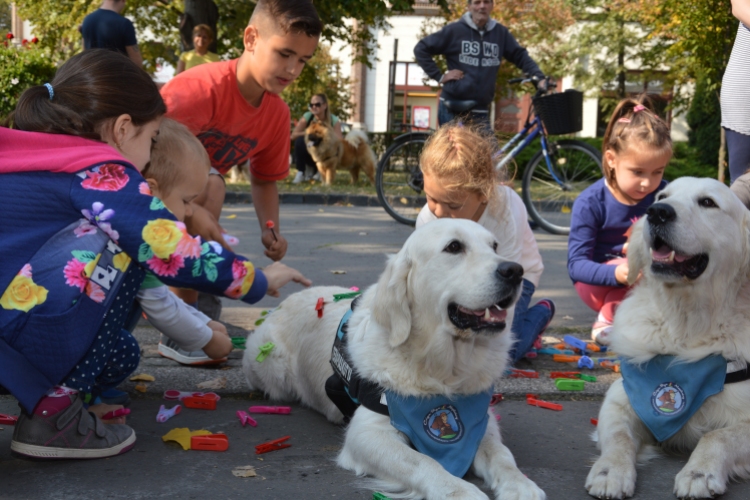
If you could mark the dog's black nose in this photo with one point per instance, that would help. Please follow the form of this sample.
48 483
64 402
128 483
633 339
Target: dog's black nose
660 213
510 271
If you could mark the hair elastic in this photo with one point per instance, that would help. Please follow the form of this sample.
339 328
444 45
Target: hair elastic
623 120
50 90
638 107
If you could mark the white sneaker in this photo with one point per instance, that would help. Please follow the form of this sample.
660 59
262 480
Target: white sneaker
299 177
316 177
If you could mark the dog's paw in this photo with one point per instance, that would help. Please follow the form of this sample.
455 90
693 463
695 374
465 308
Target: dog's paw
465 491
524 489
694 482
610 478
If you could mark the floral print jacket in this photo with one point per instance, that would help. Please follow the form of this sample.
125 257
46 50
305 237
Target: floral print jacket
67 240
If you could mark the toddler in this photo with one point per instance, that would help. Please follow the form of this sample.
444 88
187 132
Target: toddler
636 149
461 182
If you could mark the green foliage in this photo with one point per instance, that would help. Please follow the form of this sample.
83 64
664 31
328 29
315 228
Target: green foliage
704 119
320 75
21 67
5 17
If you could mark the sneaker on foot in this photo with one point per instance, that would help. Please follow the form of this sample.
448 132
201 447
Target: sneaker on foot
299 177
169 349
60 427
600 332
316 177
549 304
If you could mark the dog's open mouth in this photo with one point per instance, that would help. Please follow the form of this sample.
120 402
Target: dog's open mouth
666 260
488 318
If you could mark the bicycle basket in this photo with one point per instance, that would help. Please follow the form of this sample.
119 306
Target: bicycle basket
561 113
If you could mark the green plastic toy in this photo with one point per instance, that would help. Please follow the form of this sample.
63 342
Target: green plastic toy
239 342
344 296
587 378
379 496
566 384
265 350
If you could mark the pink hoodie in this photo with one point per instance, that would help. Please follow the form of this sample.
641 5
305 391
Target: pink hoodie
22 151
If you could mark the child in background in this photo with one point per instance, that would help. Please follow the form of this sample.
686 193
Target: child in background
461 182
203 37
177 174
636 149
70 273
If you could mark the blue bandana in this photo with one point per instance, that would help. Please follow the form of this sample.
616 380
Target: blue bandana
665 394
448 430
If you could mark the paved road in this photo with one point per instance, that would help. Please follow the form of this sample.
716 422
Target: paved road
552 448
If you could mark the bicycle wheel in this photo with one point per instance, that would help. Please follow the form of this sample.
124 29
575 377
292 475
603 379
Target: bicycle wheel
549 196
399 181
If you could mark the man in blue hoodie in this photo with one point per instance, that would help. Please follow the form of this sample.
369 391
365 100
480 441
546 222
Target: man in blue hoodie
473 46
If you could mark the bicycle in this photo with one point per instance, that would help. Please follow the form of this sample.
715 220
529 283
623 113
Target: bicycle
552 179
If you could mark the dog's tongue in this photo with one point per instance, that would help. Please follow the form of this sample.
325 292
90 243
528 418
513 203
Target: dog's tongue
489 314
663 253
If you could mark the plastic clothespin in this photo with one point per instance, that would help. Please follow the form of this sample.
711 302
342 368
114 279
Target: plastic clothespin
594 347
276 410
611 365
246 419
379 496
276 444
565 358
270 225
354 288
586 362
587 378
120 412
565 347
203 402
566 384
576 343
552 350
239 342
8 419
165 414
595 421
532 400
344 296
565 375
496 398
265 350
319 307
172 395
209 442
516 373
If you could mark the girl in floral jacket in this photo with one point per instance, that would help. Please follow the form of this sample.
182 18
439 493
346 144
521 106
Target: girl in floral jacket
79 232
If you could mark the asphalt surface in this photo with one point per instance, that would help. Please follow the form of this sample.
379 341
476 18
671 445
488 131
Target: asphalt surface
552 448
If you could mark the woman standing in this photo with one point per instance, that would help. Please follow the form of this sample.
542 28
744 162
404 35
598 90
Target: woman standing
319 112
203 37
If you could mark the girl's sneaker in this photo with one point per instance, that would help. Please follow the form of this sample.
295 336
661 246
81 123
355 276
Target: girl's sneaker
299 177
60 427
600 331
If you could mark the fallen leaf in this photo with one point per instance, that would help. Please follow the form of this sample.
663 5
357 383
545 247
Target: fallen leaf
567 317
140 388
338 272
216 383
549 339
143 377
244 471
233 216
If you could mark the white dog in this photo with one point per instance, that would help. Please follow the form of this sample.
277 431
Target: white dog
691 302
436 323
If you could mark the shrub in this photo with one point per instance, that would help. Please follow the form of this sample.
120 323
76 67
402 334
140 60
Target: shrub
21 67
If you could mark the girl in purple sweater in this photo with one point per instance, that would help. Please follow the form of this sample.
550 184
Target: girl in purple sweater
636 149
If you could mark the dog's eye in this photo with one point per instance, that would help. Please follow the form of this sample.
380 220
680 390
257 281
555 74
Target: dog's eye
707 203
494 246
661 196
454 246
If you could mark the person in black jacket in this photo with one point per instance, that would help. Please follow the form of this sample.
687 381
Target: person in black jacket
473 46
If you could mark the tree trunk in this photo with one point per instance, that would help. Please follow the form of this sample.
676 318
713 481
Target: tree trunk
198 12
722 155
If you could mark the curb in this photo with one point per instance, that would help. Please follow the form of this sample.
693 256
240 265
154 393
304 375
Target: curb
356 200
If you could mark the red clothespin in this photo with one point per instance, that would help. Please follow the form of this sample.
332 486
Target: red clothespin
516 373
210 442
532 400
270 225
496 398
595 421
246 419
274 445
204 402
120 412
565 375
277 410
319 307
8 419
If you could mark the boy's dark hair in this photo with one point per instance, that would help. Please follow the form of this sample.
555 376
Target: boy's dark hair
291 16
88 89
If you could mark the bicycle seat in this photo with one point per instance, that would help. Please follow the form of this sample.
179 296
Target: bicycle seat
459 106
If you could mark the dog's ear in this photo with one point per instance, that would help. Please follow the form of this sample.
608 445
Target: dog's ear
637 253
391 307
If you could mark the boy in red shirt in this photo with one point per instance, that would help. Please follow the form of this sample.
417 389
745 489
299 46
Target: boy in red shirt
234 109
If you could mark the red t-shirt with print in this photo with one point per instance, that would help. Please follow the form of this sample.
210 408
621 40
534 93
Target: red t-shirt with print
207 100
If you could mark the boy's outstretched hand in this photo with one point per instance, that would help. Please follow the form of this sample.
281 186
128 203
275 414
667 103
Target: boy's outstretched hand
278 275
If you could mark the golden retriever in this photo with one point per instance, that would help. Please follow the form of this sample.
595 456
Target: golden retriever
692 302
436 323
330 153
